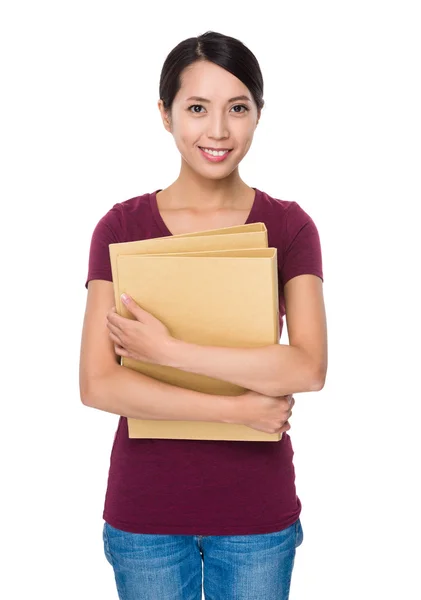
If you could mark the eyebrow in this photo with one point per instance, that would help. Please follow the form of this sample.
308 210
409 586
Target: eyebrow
200 99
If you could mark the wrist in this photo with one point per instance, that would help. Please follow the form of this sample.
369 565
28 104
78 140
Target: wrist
171 353
231 409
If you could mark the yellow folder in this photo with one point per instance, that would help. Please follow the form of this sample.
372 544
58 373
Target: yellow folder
252 235
216 288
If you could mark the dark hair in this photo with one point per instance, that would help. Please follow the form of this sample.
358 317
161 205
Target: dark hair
223 50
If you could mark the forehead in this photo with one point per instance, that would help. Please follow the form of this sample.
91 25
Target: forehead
206 79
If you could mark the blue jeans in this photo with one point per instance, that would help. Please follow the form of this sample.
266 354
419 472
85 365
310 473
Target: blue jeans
235 567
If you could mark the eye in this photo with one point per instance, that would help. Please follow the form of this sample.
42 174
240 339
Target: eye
241 106
246 109
193 106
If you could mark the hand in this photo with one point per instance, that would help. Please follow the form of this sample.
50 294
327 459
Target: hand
143 338
266 413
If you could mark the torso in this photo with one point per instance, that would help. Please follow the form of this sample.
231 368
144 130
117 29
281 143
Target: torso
179 221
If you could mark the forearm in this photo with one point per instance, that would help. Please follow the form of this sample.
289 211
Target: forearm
274 370
131 394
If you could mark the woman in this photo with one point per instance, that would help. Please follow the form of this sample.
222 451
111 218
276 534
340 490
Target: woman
172 505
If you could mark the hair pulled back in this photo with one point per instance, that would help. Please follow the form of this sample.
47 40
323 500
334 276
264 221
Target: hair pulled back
222 50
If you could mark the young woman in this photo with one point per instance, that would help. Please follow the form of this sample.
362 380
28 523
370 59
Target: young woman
175 506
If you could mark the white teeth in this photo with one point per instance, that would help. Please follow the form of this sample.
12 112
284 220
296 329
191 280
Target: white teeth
215 152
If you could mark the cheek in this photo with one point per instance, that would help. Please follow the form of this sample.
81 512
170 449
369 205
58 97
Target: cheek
190 135
248 137
185 130
186 139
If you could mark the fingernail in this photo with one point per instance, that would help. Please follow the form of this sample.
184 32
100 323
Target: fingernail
125 298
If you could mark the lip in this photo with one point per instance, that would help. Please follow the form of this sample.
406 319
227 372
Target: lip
217 149
214 158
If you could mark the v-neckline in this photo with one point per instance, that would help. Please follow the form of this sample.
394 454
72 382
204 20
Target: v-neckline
163 227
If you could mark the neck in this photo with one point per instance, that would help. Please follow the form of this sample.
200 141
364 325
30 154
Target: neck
190 191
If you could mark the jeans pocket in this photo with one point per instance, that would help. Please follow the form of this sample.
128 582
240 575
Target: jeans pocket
299 534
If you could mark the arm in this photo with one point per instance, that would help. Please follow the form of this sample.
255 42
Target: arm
278 369
107 386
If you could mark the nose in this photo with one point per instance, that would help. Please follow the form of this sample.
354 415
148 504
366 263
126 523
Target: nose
217 126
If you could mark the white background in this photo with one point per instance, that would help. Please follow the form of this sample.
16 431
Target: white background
340 135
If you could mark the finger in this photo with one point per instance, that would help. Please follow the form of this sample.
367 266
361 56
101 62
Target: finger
121 351
116 319
114 329
133 307
115 338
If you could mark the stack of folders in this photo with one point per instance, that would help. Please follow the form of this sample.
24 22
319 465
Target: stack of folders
213 288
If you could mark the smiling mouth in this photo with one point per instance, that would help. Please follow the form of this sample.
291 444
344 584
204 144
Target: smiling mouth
217 157
216 149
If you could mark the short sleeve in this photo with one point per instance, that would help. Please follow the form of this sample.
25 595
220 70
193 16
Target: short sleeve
302 253
107 231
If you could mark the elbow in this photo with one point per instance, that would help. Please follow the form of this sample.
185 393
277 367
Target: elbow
94 387
318 380
317 385
86 392
313 382
84 395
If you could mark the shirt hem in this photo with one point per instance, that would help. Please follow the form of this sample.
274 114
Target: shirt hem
201 529
103 275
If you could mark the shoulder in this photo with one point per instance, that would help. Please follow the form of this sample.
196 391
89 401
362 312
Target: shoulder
283 218
283 208
293 232
125 220
269 205
133 206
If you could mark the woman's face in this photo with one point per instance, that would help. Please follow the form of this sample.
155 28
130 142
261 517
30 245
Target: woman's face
218 122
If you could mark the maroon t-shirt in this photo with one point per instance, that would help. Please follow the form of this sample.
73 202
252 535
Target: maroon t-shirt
204 487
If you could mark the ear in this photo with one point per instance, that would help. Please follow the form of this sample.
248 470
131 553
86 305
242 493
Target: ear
165 116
